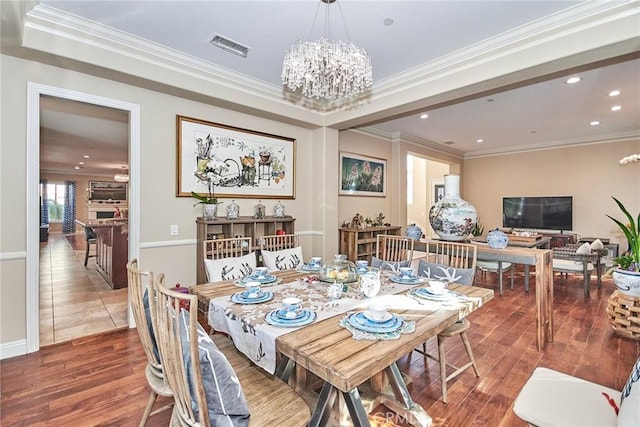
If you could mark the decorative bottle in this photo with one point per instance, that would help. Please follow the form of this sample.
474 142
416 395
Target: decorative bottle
278 210
452 218
233 210
259 211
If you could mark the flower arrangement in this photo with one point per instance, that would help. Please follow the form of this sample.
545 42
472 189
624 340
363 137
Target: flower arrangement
631 260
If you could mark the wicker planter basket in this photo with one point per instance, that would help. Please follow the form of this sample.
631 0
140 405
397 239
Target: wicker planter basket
623 313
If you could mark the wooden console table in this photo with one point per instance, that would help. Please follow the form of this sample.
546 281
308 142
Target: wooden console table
542 260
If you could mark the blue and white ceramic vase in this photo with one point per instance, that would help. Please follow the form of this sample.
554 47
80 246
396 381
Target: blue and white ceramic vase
413 232
497 239
627 282
452 218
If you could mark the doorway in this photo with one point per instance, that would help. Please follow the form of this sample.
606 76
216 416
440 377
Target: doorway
36 93
424 179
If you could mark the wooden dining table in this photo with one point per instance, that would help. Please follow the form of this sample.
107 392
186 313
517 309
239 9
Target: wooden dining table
344 366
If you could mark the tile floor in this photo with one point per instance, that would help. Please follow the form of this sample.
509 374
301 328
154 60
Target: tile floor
75 300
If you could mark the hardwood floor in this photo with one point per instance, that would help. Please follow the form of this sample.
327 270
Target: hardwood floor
75 301
99 380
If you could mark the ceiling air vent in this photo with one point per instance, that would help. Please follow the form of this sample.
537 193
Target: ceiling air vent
448 143
229 45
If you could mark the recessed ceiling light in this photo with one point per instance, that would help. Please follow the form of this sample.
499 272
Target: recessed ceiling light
616 108
479 141
388 21
424 116
86 156
573 80
594 123
76 167
81 163
614 93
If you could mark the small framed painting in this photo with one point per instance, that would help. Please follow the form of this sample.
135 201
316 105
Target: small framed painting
362 175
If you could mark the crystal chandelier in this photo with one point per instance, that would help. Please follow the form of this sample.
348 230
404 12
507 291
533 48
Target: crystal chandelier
326 69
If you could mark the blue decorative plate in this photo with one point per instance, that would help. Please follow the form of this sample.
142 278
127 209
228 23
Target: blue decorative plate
412 281
359 321
241 297
307 317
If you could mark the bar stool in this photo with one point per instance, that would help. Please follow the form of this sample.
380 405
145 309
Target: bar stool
91 238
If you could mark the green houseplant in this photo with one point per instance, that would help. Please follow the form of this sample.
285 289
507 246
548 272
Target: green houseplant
631 260
626 275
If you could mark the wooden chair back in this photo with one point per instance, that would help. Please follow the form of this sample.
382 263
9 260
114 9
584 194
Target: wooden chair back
139 283
168 304
276 242
394 248
226 248
453 254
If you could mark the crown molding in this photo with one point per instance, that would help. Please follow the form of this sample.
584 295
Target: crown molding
554 145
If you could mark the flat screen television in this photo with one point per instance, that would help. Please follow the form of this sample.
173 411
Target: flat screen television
546 213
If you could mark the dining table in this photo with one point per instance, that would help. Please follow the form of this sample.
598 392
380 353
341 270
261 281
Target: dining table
353 370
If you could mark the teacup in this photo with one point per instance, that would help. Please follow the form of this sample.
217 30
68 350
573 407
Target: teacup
291 306
406 272
437 286
261 271
252 289
378 311
362 264
315 261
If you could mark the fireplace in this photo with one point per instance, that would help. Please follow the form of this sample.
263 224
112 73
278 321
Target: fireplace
97 210
105 214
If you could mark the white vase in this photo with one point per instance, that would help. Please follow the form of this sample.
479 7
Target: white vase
209 211
627 282
452 218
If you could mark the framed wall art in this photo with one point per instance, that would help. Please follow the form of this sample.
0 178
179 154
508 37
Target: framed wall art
437 189
99 190
233 162
362 176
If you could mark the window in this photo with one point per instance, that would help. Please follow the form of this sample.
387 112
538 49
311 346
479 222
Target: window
409 179
55 202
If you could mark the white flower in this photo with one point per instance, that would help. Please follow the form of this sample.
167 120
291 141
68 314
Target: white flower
629 159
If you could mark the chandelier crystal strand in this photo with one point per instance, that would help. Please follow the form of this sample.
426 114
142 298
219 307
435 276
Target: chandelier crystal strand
327 69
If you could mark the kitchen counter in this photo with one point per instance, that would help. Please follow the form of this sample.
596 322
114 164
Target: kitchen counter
112 249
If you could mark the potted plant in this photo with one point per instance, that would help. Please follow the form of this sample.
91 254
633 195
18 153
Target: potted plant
209 202
626 274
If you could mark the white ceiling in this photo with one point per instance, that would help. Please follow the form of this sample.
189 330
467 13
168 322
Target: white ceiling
545 113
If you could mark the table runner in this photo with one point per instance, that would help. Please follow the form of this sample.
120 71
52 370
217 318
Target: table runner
246 324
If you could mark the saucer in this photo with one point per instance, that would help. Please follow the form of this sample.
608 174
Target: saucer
433 291
311 268
242 298
306 317
369 315
359 321
260 279
415 280
295 315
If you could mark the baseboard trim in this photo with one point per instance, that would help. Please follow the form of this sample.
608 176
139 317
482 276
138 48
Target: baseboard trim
13 349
